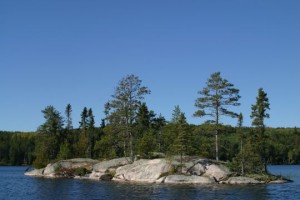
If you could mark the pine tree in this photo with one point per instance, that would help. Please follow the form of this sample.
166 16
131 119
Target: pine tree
241 134
122 110
67 138
48 141
103 124
215 98
64 151
146 144
182 141
142 120
258 114
83 143
157 123
90 119
91 130
68 113
84 119
176 114
54 122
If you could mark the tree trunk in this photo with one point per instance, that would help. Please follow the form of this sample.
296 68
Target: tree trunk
159 140
124 145
265 170
217 127
242 159
181 161
131 147
91 147
217 147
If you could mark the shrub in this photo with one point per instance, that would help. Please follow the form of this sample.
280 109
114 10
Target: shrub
112 173
81 171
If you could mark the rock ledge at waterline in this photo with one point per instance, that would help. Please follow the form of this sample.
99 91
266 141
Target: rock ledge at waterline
193 171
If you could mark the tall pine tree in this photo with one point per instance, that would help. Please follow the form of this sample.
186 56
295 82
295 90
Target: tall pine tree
182 142
214 100
82 146
258 114
68 113
48 142
91 132
176 115
122 109
142 119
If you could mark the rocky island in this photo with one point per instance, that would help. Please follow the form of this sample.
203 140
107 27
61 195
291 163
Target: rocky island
193 170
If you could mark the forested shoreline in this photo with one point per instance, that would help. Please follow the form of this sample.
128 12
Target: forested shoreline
17 148
131 129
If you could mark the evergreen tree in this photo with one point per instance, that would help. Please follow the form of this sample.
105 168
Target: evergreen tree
68 113
142 120
251 159
67 139
146 144
259 110
182 142
64 151
215 98
83 143
84 118
122 110
240 131
50 132
145 138
240 120
91 131
108 145
157 123
90 119
54 122
258 114
103 124
176 114
241 155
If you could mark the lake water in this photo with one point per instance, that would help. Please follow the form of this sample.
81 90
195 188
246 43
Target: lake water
14 185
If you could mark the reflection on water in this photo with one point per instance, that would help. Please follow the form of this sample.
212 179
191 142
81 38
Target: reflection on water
14 185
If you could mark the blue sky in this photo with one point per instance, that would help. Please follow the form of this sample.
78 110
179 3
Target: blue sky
59 52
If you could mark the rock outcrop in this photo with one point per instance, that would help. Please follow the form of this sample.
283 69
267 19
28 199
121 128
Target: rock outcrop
179 179
63 167
35 172
189 170
218 172
110 164
208 168
86 163
105 169
143 170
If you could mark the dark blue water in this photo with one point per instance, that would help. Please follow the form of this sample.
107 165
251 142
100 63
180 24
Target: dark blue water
14 185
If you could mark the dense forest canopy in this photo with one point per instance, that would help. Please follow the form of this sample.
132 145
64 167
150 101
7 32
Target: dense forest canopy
18 148
130 128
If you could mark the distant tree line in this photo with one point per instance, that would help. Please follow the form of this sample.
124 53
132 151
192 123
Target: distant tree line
130 129
17 148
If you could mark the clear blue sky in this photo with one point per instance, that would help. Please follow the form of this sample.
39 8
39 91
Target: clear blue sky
59 52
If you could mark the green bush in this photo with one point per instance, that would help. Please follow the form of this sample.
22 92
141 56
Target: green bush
112 173
81 171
